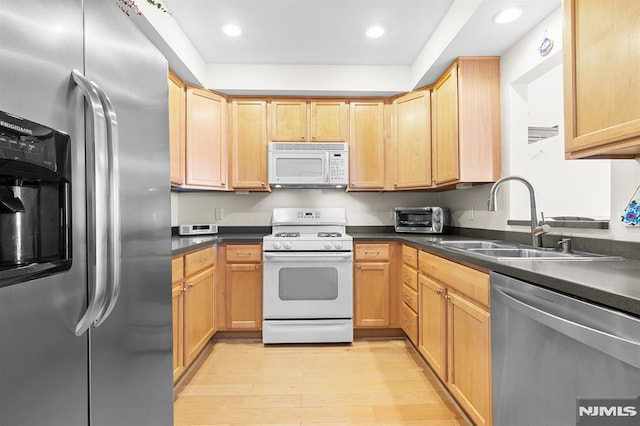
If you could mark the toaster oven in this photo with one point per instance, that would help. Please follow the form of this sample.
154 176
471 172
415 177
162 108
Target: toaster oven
425 220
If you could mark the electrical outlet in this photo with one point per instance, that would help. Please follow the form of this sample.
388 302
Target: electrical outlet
219 213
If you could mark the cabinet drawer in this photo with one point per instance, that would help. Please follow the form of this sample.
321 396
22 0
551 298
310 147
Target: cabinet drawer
473 284
244 253
410 277
410 256
177 269
194 262
410 297
372 252
410 323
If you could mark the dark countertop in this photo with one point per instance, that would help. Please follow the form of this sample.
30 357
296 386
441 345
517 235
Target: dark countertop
612 283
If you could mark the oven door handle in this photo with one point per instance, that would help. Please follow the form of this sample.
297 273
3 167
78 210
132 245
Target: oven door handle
309 257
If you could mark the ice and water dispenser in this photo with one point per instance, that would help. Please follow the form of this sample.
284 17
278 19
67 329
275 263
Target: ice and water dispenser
35 200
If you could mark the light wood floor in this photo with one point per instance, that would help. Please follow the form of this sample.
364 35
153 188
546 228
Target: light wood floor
366 383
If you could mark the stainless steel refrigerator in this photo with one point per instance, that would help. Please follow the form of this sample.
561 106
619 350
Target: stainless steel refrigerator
114 110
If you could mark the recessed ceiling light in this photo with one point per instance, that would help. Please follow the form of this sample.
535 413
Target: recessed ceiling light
507 15
232 30
375 32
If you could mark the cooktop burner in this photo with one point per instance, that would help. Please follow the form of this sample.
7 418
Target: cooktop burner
329 234
287 234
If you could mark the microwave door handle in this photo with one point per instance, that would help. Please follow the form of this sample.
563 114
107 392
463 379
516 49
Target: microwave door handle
327 159
96 190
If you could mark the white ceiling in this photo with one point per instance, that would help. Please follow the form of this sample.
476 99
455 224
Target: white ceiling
331 32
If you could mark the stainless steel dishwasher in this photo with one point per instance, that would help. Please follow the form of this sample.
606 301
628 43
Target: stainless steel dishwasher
557 360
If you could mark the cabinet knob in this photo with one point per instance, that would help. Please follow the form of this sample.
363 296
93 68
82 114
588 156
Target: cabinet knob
184 289
189 285
447 297
257 266
262 184
395 184
359 266
439 291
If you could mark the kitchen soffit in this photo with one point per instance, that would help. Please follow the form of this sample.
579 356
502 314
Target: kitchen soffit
332 32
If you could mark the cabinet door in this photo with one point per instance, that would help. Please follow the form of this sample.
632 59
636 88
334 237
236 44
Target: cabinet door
432 312
372 295
366 146
412 136
206 139
329 121
199 313
244 296
176 128
445 128
288 121
469 360
601 78
249 145
178 330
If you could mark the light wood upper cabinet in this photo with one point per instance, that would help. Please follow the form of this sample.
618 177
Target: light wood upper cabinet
299 120
412 140
206 162
367 146
249 145
288 120
466 122
444 101
176 128
601 51
329 121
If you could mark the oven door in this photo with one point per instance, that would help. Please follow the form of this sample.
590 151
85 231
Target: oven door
306 285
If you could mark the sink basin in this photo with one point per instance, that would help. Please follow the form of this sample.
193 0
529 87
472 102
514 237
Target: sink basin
538 254
500 250
472 245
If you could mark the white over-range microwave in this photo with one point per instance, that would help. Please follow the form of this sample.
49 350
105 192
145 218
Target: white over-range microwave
308 165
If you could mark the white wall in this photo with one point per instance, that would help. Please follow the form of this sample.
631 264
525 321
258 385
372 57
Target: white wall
254 209
521 65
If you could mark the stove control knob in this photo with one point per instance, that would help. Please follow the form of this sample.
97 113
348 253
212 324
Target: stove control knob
338 245
276 245
328 245
287 244
436 219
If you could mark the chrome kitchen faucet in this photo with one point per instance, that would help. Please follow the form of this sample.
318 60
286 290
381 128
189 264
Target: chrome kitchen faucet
537 229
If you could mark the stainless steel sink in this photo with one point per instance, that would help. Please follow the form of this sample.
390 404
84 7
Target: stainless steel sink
530 253
472 245
499 250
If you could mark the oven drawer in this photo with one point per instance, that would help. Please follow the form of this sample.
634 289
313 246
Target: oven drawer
244 253
372 252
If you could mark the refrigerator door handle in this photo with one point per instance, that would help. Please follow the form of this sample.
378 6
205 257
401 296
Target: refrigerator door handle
96 188
114 241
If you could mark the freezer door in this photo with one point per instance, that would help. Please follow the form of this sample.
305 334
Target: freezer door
44 373
131 351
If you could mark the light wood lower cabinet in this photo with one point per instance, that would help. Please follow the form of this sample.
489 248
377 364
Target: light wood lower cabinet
409 308
372 285
193 292
242 291
433 321
455 331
